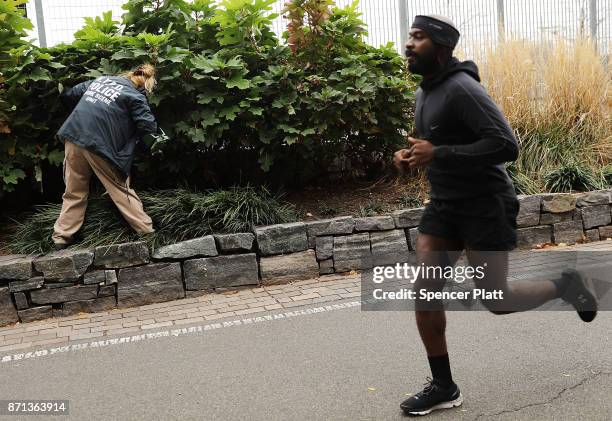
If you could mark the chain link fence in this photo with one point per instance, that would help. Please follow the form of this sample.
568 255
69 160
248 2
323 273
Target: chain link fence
481 22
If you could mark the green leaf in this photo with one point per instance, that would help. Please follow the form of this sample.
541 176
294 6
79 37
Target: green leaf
56 157
237 82
13 176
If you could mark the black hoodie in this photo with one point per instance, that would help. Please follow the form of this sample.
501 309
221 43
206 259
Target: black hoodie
471 136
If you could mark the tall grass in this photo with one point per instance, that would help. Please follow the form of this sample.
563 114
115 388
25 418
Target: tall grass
177 215
557 99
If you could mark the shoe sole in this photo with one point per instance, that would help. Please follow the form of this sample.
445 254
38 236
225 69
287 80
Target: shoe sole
443 405
584 286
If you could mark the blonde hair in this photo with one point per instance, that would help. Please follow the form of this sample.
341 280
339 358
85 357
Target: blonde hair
143 77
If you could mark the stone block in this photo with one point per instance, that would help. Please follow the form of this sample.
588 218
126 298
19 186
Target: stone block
352 252
568 232
288 267
375 223
35 313
61 295
335 226
86 306
198 247
16 267
21 301
605 232
235 243
324 247
554 218
529 211
58 284
601 197
98 277
532 236
30 284
592 235
389 247
412 235
155 283
119 256
407 218
558 202
326 267
596 216
281 239
220 272
8 312
65 264
106 291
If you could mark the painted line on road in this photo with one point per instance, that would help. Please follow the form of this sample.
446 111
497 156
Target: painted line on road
104 343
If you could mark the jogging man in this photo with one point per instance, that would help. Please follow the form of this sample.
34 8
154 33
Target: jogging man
111 116
464 141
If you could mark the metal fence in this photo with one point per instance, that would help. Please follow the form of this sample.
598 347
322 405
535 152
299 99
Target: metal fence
481 22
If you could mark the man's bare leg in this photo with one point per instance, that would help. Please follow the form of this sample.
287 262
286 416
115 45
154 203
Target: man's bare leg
441 392
434 251
518 295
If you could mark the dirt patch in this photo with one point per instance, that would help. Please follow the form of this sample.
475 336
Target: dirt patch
359 198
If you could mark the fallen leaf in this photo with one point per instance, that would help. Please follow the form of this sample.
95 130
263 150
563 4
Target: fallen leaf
408 394
229 292
309 215
371 389
567 375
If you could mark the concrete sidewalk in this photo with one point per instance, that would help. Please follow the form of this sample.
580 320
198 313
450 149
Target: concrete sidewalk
197 310
193 311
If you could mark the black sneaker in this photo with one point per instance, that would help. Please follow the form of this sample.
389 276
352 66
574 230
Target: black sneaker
60 246
581 294
431 398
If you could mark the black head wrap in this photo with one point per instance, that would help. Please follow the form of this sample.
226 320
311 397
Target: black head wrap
440 32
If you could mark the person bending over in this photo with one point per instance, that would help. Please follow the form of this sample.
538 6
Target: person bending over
111 115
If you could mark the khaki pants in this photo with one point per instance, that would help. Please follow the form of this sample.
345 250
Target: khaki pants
79 165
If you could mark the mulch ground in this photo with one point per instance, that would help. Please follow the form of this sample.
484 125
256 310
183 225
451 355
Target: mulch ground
359 198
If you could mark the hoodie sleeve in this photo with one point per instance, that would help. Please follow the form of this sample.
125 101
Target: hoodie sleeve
495 142
71 97
142 116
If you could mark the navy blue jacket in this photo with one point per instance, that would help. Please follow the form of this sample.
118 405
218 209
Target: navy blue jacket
471 137
110 117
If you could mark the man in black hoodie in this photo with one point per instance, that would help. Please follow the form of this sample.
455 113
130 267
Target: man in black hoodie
464 141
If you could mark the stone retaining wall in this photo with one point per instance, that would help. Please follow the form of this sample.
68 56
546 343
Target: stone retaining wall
125 275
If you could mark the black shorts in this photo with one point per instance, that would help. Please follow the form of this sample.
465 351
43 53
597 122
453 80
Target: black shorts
485 223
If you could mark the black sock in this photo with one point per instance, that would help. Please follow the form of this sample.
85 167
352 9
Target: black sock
561 284
440 370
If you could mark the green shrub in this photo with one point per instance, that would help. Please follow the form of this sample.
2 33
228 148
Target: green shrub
236 103
326 210
372 208
572 176
177 215
408 201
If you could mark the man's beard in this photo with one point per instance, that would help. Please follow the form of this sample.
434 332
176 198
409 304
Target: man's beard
424 63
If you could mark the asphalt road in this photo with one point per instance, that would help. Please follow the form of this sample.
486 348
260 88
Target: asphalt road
339 365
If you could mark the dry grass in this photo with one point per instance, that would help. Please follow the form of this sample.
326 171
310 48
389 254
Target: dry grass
557 98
